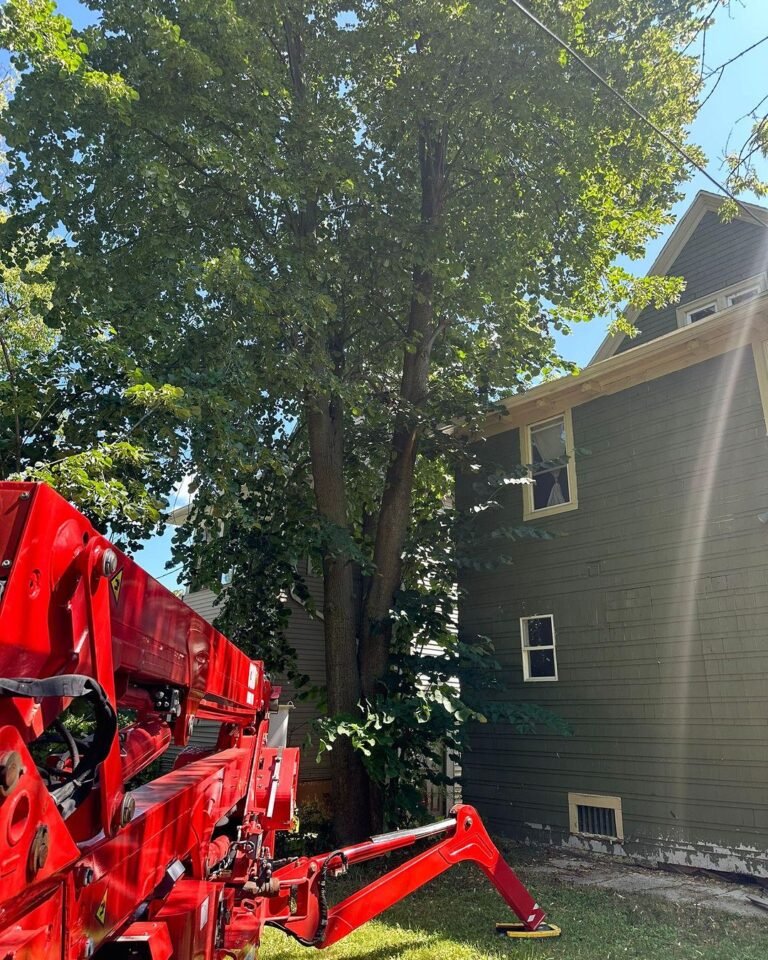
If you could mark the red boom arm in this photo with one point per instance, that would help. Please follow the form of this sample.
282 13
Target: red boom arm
181 867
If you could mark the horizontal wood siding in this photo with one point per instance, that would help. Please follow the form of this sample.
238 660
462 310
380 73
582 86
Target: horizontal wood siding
305 634
658 583
717 255
203 602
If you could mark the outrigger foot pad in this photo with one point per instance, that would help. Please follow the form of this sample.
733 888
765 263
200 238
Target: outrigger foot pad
520 930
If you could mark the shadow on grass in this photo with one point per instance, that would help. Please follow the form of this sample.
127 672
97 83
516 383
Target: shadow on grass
406 942
453 919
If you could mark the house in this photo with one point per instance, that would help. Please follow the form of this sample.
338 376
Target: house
305 634
644 621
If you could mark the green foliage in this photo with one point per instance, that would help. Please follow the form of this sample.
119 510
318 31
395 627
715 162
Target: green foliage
441 684
256 199
745 166
99 481
60 394
261 538
313 833
69 415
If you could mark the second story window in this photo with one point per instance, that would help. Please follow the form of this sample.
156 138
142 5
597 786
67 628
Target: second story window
548 449
742 296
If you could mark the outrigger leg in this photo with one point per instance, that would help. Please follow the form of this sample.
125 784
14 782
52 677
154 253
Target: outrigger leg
300 907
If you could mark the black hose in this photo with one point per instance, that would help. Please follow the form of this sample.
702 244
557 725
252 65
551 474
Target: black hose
72 685
317 939
69 740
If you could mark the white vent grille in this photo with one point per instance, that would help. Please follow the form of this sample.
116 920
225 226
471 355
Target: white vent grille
596 816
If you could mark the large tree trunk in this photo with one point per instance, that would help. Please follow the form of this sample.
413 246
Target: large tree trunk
349 781
325 424
395 510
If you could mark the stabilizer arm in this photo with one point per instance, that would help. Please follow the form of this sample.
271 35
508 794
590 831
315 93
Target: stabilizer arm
466 839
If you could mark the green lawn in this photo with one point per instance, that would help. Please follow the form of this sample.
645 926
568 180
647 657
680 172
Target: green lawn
453 918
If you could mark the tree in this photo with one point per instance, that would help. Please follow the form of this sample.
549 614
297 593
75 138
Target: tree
338 227
744 162
65 416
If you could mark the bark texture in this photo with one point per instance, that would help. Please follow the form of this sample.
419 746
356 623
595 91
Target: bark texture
349 791
357 608
395 511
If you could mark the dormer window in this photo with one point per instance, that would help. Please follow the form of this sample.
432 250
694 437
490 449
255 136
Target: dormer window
723 299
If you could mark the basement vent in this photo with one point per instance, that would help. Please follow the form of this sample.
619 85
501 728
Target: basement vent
599 821
595 816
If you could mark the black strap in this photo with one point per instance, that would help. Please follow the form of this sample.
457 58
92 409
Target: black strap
73 685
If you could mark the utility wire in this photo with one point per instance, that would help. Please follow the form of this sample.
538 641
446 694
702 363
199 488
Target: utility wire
633 109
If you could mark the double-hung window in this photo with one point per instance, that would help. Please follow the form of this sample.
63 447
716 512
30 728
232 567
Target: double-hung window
537 636
548 450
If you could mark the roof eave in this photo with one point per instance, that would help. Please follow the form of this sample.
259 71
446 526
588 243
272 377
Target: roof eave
684 347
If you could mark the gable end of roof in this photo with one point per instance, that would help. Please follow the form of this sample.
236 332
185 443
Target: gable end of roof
704 202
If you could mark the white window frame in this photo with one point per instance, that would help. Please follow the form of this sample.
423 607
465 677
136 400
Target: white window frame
704 306
529 513
721 299
527 648
760 354
756 289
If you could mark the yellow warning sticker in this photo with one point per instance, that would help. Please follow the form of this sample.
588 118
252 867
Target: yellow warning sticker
101 910
116 582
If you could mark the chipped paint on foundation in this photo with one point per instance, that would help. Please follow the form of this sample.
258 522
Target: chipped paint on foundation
655 851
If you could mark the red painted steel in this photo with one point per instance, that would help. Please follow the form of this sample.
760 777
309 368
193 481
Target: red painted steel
182 866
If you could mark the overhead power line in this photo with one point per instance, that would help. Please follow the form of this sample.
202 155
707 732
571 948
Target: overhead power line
634 110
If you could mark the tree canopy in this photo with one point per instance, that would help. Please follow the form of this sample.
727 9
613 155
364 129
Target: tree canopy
329 229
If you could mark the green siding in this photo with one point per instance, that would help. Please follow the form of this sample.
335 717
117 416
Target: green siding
305 634
716 255
659 588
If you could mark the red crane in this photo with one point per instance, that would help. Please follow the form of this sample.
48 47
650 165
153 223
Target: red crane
183 866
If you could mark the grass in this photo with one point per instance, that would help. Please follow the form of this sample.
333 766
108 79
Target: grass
453 917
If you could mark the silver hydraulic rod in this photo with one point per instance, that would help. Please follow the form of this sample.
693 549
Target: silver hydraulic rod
417 833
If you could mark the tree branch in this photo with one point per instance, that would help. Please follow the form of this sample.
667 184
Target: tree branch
15 387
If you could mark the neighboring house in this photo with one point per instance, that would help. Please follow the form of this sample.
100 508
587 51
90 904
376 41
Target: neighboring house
644 623
305 634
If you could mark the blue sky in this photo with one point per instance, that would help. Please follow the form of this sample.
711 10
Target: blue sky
743 85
